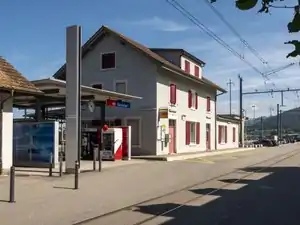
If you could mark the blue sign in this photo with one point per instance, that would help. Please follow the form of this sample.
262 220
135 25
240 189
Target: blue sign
122 104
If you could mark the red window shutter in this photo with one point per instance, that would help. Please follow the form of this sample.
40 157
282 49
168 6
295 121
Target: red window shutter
197 133
187 133
190 96
197 71
233 135
187 66
219 133
196 101
208 104
172 93
225 134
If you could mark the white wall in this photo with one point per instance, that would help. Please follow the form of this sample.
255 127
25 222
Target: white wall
7 134
197 115
192 66
230 144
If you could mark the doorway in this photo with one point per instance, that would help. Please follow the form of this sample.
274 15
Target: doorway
208 137
172 135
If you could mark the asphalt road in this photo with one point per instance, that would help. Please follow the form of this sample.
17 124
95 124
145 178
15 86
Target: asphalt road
265 193
182 193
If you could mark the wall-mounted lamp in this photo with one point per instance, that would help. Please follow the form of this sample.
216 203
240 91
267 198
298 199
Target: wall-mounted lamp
183 117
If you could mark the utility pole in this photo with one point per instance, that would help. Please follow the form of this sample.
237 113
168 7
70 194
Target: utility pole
241 136
278 134
230 83
280 119
261 128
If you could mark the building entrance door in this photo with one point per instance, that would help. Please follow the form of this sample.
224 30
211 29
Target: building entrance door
172 133
208 135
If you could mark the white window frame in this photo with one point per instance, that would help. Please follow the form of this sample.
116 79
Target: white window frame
193 123
96 83
103 53
193 107
140 129
118 82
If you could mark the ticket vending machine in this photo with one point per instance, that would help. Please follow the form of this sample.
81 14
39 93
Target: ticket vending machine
112 140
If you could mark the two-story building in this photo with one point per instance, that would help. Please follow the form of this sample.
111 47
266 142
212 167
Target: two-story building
178 110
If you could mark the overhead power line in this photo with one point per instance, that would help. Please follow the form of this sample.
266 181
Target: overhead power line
210 33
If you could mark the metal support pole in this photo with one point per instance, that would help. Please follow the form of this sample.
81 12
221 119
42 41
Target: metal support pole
280 119
76 186
278 134
60 163
12 185
94 158
99 160
50 164
281 98
241 112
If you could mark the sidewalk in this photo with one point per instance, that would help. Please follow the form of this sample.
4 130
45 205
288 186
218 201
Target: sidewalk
191 155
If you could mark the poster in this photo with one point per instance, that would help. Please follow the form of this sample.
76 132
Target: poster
34 143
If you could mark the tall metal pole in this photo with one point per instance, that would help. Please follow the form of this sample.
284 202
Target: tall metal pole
278 121
281 98
230 83
241 112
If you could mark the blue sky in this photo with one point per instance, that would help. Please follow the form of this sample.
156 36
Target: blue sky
33 39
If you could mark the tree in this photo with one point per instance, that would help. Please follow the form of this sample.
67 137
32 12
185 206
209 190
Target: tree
292 27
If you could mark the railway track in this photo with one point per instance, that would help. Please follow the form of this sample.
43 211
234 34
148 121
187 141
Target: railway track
272 161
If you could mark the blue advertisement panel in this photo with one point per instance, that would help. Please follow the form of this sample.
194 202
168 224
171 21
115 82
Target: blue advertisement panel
34 143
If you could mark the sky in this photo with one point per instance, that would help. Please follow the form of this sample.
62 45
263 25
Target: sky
33 40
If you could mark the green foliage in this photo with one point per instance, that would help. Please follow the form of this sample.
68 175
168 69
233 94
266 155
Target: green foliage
292 27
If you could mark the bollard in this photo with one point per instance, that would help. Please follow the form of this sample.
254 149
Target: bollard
76 175
94 158
12 185
50 164
60 163
99 160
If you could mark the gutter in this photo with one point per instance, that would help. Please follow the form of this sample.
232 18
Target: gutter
1 113
216 141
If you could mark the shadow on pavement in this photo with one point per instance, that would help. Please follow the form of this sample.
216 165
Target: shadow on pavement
273 199
67 188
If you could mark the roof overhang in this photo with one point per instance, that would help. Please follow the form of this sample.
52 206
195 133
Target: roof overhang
54 94
194 79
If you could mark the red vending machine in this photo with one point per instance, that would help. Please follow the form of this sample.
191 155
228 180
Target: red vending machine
112 140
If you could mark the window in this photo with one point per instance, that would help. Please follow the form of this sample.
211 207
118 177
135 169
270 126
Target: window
135 131
233 134
98 86
208 104
192 99
121 87
222 134
197 73
108 61
187 66
173 90
192 132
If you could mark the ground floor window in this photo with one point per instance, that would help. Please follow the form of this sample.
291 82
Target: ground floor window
192 132
135 124
222 133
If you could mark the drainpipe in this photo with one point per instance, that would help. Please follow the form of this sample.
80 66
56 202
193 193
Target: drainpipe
1 113
216 141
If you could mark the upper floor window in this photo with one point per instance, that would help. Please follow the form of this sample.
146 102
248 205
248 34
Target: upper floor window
108 60
121 86
197 71
187 66
98 86
208 104
173 94
192 99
